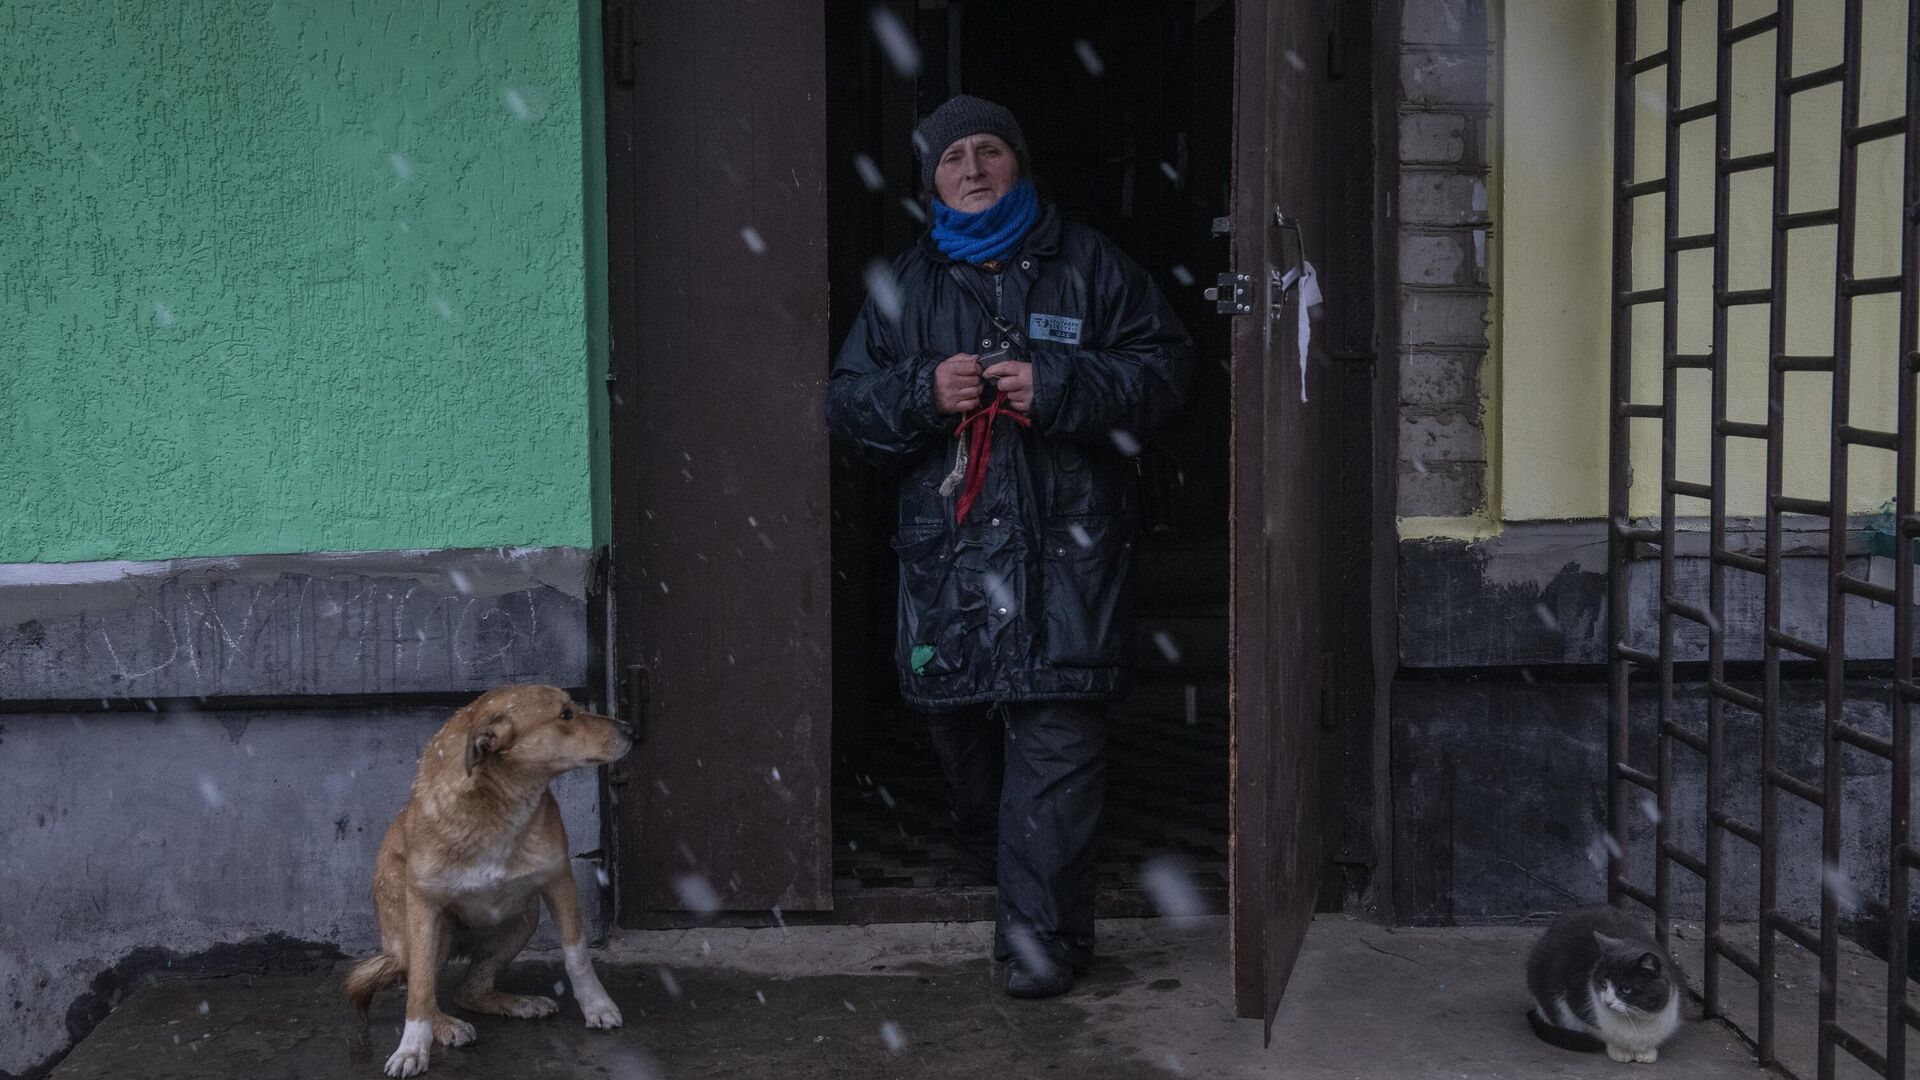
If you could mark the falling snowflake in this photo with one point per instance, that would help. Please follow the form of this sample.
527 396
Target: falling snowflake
668 983
884 290
890 1035
1125 442
1836 882
1091 59
696 893
1164 642
211 793
1182 275
162 314
1168 880
516 103
869 172
898 44
401 167
751 237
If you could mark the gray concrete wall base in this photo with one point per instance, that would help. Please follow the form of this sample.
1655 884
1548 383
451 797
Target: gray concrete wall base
189 831
1500 802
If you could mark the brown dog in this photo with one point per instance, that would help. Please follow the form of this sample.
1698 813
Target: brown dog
463 868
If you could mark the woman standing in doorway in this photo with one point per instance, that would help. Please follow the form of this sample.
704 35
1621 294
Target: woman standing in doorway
1009 384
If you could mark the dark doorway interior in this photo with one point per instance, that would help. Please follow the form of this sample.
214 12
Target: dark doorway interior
1129 123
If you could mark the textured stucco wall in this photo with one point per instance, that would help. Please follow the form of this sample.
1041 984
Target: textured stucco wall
292 276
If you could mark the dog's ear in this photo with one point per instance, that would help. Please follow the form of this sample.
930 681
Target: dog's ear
484 740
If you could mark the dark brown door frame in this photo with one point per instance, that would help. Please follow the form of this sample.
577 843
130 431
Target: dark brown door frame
1360 680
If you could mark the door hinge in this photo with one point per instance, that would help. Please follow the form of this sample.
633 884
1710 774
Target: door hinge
620 38
636 693
1233 295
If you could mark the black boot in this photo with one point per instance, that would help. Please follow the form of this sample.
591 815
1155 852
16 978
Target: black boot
1034 981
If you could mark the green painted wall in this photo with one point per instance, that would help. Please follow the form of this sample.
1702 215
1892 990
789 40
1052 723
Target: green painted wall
294 276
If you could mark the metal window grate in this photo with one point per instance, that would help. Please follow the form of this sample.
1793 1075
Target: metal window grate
1733 710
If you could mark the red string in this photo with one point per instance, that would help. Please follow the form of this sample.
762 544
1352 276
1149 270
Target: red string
979 445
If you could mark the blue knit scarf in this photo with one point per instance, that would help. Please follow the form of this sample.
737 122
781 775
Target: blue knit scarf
992 233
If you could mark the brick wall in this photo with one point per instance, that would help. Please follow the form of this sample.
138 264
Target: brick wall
1443 221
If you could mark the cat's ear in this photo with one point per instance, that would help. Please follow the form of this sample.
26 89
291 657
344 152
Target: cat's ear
1649 963
1608 944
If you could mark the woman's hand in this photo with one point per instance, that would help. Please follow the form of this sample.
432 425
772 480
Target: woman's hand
1016 383
956 384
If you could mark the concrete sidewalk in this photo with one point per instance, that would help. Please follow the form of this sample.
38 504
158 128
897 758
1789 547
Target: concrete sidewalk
920 1001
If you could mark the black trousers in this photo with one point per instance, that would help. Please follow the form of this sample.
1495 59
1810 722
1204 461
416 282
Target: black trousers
1028 780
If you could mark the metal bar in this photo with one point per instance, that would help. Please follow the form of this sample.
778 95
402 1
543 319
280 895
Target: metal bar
1691 739
1802 936
1669 462
1737 955
1691 243
1832 1034
1699 110
1809 219
1865 740
1686 860
1777 367
1752 564
1645 63
1793 785
1837 457
1748 162
1847 583
1691 488
1636 894
1635 777
1741 429
1621 658
1640 410
1783 640
1734 695
1693 361
1872 286
1636 656
1789 504
1718 690
1739 828
1734 35
1631 190
1814 80
1643 296
1891 127
1900 1012
1783 362
1744 297
1859 436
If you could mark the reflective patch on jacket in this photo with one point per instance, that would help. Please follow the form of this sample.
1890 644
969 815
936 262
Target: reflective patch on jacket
1053 328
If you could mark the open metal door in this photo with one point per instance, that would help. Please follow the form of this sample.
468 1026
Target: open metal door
716 165
1279 429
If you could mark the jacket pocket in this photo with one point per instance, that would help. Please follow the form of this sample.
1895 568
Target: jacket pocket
1086 561
934 635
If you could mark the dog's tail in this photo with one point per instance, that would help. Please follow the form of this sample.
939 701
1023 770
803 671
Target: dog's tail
1565 1038
371 975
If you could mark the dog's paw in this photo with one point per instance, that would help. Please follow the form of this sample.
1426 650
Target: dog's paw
407 1062
416 1039
449 1031
527 1007
601 1014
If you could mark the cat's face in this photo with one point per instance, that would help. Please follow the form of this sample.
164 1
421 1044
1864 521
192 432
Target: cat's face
1632 982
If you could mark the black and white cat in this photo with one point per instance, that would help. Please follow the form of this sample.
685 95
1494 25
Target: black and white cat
1599 980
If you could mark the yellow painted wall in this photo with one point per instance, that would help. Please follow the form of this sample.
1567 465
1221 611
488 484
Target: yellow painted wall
1554 226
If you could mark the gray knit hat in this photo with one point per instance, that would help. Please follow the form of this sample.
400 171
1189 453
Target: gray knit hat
961 116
